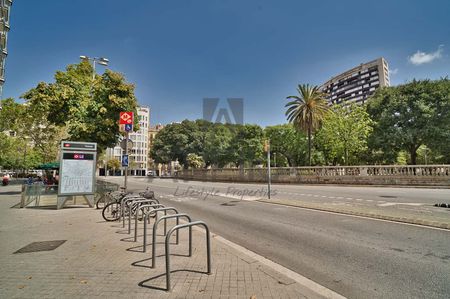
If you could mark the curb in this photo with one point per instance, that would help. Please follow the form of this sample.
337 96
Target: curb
313 288
433 224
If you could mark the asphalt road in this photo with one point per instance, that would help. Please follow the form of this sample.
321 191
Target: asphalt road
356 257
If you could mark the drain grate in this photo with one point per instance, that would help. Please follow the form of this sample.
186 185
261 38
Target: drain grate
388 196
41 246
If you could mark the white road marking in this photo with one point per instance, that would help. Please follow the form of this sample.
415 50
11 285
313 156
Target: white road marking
389 204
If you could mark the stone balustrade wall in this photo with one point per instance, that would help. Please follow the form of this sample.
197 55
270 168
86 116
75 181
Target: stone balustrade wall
415 175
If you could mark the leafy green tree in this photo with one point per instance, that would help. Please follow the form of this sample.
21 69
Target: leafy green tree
195 161
288 142
88 109
17 154
113 164
176 141
344 133
247 145
410 115
31 125
216 149
11 113
307 110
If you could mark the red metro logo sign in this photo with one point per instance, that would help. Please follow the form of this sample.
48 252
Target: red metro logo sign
126 118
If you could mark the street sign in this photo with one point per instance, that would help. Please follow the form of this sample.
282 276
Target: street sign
123 144
124 160
126 118
128 127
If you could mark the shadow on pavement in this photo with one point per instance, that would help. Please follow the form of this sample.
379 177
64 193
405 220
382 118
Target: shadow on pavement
137 263
10 193
143 285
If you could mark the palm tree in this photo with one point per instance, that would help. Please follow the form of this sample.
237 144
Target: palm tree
307 110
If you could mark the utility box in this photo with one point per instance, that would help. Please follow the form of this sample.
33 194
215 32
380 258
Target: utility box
77 171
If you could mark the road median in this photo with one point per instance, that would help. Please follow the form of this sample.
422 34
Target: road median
433 217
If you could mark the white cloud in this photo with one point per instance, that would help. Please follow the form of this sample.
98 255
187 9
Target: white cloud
393 71
421 57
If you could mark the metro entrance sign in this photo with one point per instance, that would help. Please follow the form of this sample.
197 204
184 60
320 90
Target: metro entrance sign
126 118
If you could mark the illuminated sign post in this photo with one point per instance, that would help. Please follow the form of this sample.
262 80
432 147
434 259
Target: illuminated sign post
77 171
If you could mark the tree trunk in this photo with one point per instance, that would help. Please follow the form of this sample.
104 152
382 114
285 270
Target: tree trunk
413 153
309 145
346 156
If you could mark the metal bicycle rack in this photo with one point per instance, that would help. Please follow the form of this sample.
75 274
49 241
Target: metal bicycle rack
126 204
155 227
122 205
208 248
134 203
155 211
150 207
142 207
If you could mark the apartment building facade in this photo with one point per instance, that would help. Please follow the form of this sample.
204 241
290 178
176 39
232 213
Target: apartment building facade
357 84
5 6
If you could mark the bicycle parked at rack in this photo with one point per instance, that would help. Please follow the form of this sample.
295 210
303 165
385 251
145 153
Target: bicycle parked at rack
113 209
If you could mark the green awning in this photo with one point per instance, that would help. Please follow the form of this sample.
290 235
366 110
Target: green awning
48 166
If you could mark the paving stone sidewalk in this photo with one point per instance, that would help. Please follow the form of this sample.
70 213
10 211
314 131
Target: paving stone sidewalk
99 260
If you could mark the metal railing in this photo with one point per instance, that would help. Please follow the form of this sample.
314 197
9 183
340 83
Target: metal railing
33 193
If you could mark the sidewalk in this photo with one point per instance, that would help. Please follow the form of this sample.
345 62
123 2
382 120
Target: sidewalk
99 259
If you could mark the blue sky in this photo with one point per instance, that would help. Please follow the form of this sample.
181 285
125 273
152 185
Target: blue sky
179 52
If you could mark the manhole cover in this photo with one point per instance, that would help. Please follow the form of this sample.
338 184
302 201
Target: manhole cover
41 246
388 196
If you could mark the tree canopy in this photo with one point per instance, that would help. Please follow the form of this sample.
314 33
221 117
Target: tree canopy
410 115
344 133
87 108
289 142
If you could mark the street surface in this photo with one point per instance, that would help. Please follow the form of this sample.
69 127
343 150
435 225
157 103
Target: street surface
356 257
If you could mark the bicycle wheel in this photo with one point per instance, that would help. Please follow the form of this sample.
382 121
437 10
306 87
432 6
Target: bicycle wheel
111 212
101 202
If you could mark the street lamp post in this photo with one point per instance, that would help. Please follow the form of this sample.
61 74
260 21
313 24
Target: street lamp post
100 60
